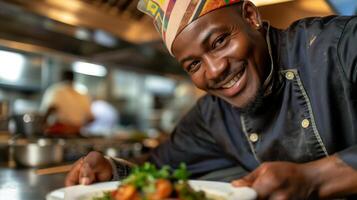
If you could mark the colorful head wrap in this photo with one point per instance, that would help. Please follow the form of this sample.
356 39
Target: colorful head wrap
171 16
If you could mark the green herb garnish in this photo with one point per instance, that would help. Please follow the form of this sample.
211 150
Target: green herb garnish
181 173
106 196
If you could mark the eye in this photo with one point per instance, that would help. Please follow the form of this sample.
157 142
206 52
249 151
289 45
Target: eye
220 41
193 67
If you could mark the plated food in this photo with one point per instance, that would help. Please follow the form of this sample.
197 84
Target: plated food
149 183
146 182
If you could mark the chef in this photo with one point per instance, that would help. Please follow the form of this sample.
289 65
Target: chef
281 105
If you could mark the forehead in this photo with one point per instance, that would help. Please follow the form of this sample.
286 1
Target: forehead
195 31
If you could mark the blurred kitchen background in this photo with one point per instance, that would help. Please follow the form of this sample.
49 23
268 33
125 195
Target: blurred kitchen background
117 57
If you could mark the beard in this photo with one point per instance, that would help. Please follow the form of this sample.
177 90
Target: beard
254 105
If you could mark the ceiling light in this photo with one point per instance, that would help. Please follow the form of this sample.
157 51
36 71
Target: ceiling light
89 69
104 38
12 65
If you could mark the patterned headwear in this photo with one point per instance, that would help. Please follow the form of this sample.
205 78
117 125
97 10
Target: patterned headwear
171 16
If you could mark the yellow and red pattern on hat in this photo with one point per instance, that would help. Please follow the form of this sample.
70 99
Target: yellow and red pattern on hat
171 16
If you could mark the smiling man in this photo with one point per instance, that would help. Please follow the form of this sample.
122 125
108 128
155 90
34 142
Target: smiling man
228 58
280 114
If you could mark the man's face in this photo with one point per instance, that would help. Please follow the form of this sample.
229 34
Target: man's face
224 55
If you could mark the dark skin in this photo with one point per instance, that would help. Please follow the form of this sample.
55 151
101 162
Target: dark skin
322 179
89 169
232 63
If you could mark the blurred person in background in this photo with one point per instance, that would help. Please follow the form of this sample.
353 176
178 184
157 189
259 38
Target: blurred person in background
106 118
280 114
66 110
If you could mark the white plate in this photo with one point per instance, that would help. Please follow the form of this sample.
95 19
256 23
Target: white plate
213 189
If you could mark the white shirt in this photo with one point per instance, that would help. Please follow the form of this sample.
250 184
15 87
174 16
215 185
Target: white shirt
71 106
106 118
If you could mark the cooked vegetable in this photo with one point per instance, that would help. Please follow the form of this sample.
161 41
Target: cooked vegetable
163 190
149 183
125 192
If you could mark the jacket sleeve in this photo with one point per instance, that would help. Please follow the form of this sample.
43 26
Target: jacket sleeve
347 52
191 143
349 156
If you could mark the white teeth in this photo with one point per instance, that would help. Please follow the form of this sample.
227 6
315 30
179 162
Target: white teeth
232 82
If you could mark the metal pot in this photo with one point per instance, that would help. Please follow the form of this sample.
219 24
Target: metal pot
40 152
28 124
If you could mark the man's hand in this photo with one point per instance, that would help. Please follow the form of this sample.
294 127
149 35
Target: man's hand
89 169
326 178
279 180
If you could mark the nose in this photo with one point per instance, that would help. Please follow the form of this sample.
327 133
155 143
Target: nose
215 67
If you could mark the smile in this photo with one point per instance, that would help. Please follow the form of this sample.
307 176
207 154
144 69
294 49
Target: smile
234 84
233 81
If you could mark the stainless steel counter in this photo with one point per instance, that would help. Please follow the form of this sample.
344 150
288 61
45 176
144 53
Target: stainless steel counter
24 184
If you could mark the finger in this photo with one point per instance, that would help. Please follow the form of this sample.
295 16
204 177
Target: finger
265 185
100 166
72 177
280 195
246 181
241 183
87 174
104 175
93 159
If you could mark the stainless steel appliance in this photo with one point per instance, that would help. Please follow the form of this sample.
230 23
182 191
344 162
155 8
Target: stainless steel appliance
36 153
27 125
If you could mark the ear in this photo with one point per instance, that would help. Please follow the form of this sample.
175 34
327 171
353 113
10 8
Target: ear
251 15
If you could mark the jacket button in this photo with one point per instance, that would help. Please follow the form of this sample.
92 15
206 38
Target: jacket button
305 123
289 75
254 137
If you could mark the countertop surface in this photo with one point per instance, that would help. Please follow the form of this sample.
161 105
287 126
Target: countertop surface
25 184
